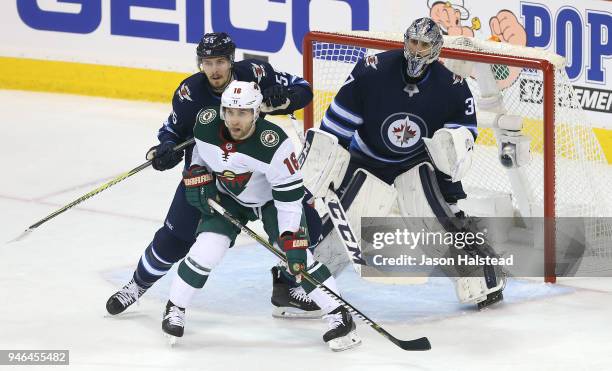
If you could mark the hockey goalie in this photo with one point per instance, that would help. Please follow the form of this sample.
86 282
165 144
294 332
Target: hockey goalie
402 129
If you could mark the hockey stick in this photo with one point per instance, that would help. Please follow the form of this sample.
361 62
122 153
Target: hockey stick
296 127
416 344
95 192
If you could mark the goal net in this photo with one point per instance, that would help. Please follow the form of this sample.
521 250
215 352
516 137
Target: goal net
568 175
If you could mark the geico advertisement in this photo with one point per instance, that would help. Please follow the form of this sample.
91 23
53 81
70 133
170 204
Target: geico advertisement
161 34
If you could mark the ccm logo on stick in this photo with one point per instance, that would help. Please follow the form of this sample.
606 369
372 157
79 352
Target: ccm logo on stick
346 233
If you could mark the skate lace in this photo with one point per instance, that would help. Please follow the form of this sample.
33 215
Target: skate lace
334 320
130 293
299 294
176 317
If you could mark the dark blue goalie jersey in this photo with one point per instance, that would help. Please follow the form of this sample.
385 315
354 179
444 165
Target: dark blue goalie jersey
382 117
194 93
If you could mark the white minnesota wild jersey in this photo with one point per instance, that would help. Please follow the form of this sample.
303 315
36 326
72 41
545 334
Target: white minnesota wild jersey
253 171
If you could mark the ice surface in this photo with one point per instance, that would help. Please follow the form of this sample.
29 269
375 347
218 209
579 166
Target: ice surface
54 284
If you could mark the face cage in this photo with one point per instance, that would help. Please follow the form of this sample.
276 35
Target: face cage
416 64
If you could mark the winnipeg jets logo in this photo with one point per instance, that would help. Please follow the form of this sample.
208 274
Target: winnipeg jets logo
258 71
402 132
457 79
184 93
411 89
371 61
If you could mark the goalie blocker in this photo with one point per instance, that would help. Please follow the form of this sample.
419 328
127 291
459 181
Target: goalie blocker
324 163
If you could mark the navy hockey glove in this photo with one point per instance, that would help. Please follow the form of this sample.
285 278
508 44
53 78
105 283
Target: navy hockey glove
294 244
277 97
164 156
199 187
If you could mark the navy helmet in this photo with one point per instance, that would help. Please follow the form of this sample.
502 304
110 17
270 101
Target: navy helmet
216 44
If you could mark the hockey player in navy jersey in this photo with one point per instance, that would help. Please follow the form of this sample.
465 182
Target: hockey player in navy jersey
283 93
409 126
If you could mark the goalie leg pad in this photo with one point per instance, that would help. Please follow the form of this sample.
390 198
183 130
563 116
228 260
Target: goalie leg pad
365 195
416 196
422 206
420 196
474 290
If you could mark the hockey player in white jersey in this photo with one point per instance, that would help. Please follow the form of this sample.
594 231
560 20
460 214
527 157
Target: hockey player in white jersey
406 126
283 93
249 166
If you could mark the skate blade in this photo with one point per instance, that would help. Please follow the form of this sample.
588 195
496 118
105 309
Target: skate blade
294 313
351 340
172 340
488 302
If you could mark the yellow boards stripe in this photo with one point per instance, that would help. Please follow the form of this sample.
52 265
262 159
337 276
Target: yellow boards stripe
88 79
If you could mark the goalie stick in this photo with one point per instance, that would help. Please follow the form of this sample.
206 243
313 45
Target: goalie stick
412 345
95 192
343 228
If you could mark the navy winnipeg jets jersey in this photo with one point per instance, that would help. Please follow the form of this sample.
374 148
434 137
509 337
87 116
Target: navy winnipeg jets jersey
379 114
195 93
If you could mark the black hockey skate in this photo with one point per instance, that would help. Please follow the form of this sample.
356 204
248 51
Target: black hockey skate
341 335
173 323
122 299
492 298
291 302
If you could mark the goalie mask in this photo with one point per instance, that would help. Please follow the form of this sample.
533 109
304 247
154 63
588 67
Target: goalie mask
242 95
422 44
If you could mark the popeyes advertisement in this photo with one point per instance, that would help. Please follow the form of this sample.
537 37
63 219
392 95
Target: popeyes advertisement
576 30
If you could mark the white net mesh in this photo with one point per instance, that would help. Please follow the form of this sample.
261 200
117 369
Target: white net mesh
582 174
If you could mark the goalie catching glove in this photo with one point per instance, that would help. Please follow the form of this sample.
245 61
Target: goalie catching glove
199 187
294 244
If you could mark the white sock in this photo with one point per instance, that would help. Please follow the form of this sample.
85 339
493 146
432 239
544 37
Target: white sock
323 300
